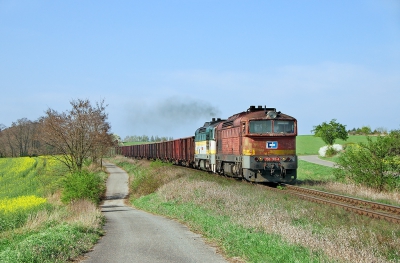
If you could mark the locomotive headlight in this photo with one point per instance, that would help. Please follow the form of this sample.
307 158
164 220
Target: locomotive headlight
272 114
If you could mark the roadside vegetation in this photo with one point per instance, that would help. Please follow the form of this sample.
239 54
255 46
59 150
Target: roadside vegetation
35 226
374 163
48 201
251 224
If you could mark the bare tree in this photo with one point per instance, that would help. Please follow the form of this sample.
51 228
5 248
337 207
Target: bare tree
3 151
23 131
11 143
77 134
21 139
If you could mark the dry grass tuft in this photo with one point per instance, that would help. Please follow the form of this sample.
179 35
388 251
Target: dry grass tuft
84 213
120 159
81 212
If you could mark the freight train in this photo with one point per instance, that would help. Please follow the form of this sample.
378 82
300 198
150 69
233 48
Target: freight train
257 145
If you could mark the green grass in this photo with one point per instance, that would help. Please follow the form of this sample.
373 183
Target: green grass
58 243
311 173
309 144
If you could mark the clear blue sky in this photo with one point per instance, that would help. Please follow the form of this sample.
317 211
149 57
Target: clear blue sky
166 67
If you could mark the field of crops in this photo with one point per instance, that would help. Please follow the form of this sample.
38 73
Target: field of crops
29 176
24 184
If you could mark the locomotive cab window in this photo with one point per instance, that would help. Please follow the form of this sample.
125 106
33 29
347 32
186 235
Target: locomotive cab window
283 126
261 127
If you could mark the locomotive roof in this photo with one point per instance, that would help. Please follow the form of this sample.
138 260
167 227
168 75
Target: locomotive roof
251 113
257 113
209 124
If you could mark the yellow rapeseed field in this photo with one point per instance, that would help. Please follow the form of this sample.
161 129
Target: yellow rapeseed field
21 203
25 176
16 166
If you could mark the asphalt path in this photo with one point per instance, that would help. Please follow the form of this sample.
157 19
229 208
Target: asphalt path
315 159
136 236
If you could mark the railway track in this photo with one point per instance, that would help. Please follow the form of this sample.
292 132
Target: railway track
372 209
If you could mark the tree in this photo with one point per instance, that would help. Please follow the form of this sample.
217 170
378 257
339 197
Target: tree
375 164
23 131
116 139
78 134
381 130
366 130
331 131
21 139
2 141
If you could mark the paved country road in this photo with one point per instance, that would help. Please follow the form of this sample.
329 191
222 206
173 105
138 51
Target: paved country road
316 160
136 236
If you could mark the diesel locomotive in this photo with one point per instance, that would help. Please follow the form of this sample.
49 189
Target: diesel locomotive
258 145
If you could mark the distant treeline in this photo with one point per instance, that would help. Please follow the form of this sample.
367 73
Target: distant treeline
145 138
366 130
72 136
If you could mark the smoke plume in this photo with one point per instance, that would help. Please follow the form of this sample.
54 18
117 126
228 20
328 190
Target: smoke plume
170 116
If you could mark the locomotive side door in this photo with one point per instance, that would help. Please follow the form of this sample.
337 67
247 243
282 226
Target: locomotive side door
219 142
242 132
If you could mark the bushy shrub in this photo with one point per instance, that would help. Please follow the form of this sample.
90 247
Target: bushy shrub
82 185
375 164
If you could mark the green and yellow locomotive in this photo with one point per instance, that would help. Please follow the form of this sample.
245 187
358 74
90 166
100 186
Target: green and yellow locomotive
205 146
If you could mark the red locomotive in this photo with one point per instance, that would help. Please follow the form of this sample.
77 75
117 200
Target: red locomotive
258 145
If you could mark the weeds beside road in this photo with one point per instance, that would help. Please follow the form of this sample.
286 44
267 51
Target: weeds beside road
34 225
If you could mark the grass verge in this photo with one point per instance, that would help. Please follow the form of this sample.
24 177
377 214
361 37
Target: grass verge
252 224
34 225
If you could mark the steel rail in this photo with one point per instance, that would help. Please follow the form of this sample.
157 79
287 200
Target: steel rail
367 208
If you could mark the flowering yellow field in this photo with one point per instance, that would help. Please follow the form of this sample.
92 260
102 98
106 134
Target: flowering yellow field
24 182
27 176
12 205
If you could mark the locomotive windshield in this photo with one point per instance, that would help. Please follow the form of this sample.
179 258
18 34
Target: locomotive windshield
261 127
265 126
283 126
